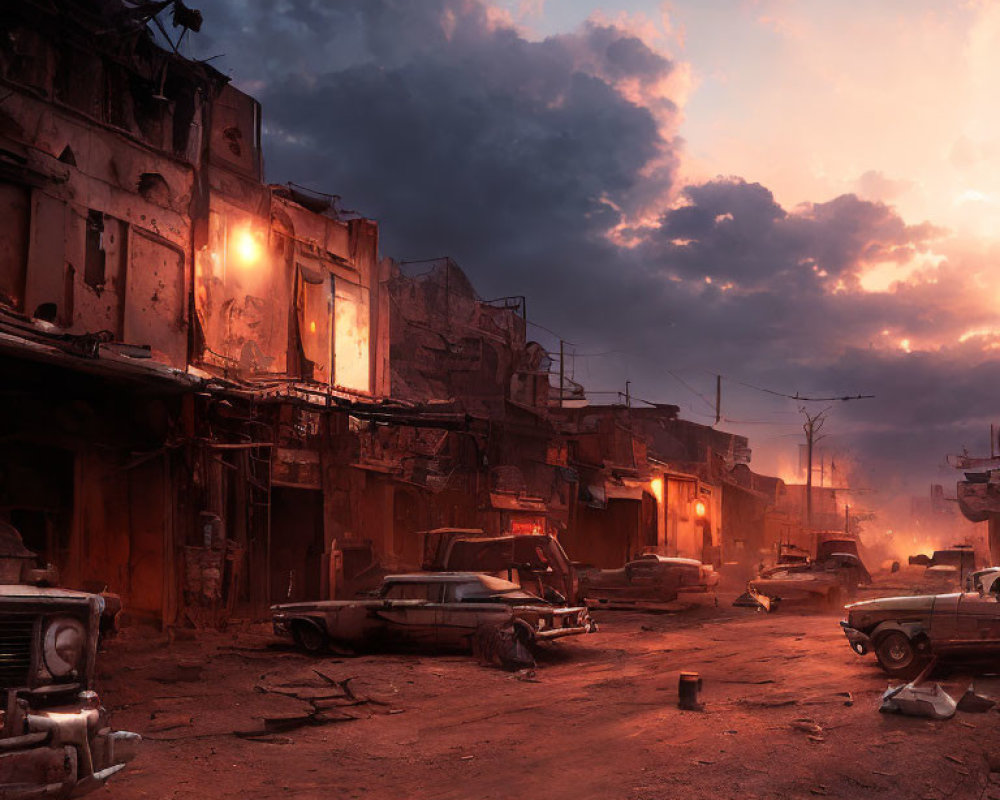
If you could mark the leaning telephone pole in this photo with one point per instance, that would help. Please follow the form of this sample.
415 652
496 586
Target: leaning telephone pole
812 426
562 370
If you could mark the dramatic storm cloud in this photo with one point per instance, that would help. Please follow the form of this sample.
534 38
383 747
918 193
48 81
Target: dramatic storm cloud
549 168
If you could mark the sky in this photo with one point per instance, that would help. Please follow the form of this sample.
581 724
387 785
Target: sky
801 197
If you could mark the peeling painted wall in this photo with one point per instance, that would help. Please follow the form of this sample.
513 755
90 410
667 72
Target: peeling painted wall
286 291
135 197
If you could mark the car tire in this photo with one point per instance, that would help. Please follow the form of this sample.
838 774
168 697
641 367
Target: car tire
309 637
897 654
524 632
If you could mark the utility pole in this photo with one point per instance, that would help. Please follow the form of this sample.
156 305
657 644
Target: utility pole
812 427
562 370
718 398
628 394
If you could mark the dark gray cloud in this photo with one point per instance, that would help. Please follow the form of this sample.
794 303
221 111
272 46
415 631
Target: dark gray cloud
528 160
735 231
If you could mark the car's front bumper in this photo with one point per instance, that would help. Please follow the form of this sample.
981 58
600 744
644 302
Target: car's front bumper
557 633
64 754
860 643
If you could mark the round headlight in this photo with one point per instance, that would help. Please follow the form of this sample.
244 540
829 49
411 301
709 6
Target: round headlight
65 641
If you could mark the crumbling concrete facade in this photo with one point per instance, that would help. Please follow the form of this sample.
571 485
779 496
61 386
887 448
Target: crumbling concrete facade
182 339
221 396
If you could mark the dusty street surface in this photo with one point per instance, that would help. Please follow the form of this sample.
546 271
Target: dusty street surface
600 720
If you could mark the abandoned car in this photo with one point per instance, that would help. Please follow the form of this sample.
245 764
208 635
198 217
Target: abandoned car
834 575
646 582
537 562
906 632
429 609
949 566
54 737
982 579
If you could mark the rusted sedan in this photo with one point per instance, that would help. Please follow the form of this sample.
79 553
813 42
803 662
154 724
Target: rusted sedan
949 567
829 581
429 609
906 632
647 582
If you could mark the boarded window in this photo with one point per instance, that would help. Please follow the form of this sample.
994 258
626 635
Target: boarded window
14 216
315 312
45 290
155 298
95 257
351 334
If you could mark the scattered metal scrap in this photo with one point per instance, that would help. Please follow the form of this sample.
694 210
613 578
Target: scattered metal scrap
918 701
973 703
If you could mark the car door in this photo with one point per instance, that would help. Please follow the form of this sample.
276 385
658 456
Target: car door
645 578
409 613
458 619
977 623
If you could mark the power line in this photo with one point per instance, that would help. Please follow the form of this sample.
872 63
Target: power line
803 398
690 388
708 403
548 331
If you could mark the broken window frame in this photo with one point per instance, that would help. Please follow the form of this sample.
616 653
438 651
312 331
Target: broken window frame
315 275
361 305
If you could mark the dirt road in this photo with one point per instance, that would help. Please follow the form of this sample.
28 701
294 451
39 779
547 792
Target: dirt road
599 720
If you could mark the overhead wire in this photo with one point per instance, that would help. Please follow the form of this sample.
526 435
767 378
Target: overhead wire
798 397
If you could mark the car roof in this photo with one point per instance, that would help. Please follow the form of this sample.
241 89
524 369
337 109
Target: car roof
668 559
439 577
460 531
483 582
43 592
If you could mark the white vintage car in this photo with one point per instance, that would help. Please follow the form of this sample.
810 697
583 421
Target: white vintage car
429 609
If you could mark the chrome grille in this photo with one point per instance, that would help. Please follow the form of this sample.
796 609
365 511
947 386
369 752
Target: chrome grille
16 638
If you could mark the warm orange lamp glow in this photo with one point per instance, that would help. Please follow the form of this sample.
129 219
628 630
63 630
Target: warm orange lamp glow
699 509
246 247
656 487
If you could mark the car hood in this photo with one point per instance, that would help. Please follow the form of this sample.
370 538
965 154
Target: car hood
919 602
790 575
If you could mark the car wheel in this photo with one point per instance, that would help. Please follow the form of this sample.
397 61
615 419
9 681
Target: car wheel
524 632
897 655
309 637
